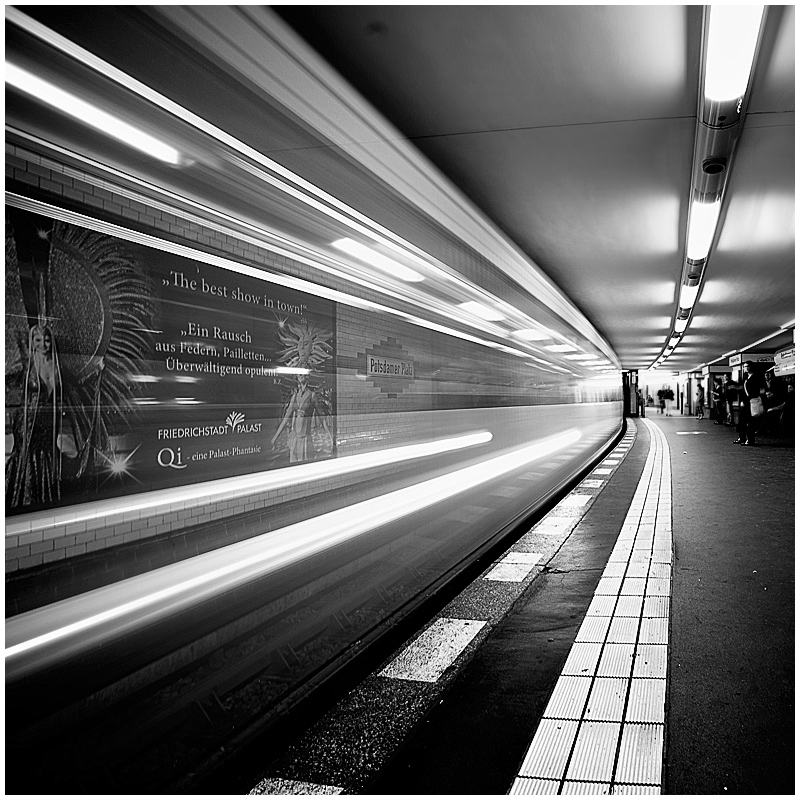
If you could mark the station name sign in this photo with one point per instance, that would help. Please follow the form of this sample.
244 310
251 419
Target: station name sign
380 367
784 362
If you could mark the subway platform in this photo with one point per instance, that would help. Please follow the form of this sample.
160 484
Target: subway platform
639 639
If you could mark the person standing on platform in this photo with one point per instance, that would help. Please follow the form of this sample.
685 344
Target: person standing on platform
660 396
718 398
701 401
669 396
749 413
731 396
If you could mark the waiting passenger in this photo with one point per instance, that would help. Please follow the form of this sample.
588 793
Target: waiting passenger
718 398
751 406
701 401
661 401
731 396
775 397
669 396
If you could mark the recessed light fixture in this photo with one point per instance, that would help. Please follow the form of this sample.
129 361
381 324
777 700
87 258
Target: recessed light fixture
702 225
688 295
680 325
479 310
78 108
375 259
733 35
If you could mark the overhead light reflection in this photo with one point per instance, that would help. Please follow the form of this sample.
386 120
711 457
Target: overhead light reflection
479 310
189 582
74 106
376 259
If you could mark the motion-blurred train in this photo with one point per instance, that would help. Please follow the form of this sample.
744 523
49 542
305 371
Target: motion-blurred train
271 383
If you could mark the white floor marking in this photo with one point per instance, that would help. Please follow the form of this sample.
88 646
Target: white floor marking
602 731
285 787
434 650
514 567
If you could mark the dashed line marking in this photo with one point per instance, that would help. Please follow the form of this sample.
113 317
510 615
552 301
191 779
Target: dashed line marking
434 650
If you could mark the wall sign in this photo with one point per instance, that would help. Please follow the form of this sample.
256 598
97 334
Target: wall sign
130 369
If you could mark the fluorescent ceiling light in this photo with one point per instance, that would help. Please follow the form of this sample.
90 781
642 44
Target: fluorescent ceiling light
688 295
732 39
680 325
576 357
489 314
560 348
382 262
702 224
531 335
91 115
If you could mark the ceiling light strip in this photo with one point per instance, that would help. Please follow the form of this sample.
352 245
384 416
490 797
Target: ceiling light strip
731 37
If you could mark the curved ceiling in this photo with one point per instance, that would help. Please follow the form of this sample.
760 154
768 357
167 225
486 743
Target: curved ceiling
572 128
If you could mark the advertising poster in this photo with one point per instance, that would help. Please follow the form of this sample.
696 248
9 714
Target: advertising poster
130 369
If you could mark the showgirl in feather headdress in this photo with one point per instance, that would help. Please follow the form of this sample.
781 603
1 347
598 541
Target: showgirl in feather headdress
307 413
71 346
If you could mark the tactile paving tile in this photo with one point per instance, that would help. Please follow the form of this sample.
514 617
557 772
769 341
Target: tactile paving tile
568 698
651 661
654 630
658 586
593 629
582 659
585 788
614 569
646 700
627 788
595 748
530 786
623 630
549 751
656 607
629 605
607 699
602 605
609 586
637 570
633 586
616 661
640 754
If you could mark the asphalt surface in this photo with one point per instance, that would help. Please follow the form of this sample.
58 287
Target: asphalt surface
730 715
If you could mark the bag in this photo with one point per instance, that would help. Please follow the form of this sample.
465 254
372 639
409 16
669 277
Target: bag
756 407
